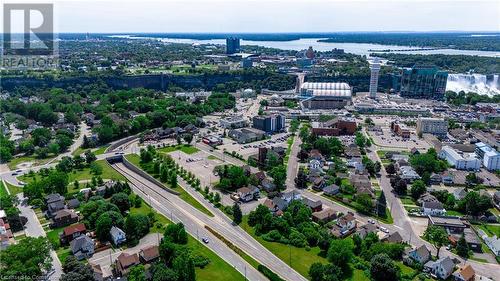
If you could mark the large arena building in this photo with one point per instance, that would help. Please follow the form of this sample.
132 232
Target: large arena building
319 95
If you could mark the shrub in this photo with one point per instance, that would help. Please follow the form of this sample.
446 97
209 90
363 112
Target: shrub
269 273
200 261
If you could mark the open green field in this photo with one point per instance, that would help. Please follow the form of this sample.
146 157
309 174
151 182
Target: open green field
184 195
78 151
84 174
298 258
14 189
490 229
100 150
3 189
217 269
188 149
12 164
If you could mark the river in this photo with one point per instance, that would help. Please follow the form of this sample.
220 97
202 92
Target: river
304 43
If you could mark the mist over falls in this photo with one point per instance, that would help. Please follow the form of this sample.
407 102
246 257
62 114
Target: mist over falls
478 83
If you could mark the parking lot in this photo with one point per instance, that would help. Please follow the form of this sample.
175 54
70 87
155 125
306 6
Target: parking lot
252 148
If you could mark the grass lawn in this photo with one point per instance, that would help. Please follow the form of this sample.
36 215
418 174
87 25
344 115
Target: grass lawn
84 174
355 206
188 149
184 195
134 159
3 189
211 157
14 189
490 229
405 269
53 235
100 150
78 151
359 275
407 201
217 269
63 253
301 259
454 213
16 161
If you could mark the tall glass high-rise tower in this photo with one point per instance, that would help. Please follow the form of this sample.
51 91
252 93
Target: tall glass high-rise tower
375 68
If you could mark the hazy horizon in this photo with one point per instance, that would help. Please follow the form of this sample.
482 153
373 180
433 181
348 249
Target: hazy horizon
275 16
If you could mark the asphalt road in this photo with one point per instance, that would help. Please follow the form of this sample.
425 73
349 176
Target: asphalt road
195 221
33 228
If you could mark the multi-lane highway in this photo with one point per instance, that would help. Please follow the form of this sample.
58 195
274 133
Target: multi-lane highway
173 207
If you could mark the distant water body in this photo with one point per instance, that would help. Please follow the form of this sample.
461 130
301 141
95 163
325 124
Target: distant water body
363 49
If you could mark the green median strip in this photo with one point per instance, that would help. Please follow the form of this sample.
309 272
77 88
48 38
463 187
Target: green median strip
184 195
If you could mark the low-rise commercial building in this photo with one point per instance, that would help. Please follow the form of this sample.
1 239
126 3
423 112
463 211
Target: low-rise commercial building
233 122
246 135
434 126
335 127
461 161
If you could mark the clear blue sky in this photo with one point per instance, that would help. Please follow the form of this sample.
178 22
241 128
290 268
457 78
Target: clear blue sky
110 16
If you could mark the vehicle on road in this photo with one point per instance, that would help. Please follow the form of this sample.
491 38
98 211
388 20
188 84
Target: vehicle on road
205 240
371 221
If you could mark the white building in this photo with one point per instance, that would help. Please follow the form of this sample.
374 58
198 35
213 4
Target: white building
375 68
461 161
491 157
433 209
434 126
316 95
233 122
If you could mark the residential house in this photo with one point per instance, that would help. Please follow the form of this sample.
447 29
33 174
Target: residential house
324 216
315 205
4 241
331 190
100 274
442 268
55 202
408 173
290 196
315 165
448 178
117 235
149 254
268 184
248 194
496 197
318 183
433 208
345 225
394 237
365 229
360 181
420 254
465 273
314 154
459 193
493 243
64 217
73 203
82 247
436 179
427 197
352 151
472 240
260 176
124 262
71 232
